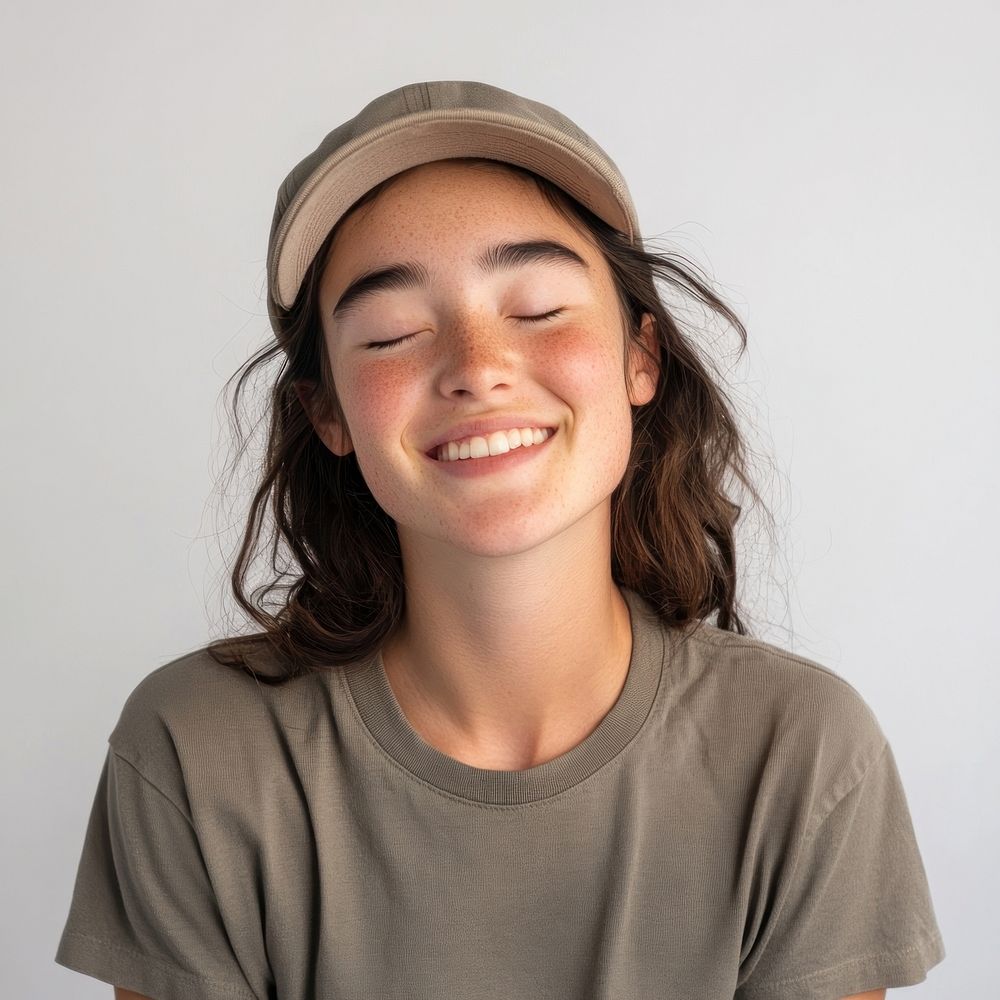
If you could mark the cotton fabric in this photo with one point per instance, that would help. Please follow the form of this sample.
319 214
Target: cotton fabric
735 827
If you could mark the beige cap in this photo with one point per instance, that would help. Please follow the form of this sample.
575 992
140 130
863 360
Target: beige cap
419 123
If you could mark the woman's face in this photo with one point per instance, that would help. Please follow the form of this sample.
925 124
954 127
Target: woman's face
471 354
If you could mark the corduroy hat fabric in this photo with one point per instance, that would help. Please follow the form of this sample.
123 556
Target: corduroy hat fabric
420 123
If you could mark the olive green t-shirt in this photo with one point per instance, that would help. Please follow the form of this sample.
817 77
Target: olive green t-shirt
735 827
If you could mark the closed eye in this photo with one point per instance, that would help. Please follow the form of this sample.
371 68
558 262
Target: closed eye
381 345
534 319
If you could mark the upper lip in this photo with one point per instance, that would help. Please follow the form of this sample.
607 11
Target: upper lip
483 427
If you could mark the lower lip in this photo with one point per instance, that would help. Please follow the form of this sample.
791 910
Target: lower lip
467 468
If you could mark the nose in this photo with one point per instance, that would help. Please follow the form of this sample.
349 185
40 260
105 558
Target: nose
478 359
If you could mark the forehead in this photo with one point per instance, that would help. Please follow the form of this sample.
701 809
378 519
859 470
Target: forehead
472 184
447 210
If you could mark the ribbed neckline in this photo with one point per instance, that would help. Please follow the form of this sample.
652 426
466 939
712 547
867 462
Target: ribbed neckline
376 703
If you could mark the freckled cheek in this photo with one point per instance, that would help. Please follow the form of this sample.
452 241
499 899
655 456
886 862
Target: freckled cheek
584 373
378 402
592 384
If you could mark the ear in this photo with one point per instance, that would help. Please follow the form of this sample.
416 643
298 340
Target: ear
332 432
644 371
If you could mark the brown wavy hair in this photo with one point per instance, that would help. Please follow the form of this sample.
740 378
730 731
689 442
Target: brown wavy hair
672 521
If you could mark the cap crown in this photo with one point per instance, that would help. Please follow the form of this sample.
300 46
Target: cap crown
420 123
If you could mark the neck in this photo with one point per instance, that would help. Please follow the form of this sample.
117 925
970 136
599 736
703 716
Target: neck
506 662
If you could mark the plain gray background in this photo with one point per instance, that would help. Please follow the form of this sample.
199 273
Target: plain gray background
833 166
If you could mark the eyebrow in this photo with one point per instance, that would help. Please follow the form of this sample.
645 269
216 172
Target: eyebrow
496 258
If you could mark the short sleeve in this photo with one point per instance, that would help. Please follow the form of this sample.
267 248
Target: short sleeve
143 914
853 910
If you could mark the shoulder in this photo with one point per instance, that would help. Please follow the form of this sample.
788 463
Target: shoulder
189 687
786 685
777 710
194 713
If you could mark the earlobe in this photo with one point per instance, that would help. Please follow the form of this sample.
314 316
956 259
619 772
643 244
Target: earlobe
645 370
336 438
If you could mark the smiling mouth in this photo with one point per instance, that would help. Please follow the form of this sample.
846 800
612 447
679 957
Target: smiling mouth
433 453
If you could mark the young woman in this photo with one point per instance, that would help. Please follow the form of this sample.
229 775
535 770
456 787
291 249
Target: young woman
505 734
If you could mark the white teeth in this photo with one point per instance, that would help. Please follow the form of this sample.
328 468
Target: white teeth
496 443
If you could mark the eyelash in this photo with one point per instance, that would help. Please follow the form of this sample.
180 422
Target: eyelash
381 345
